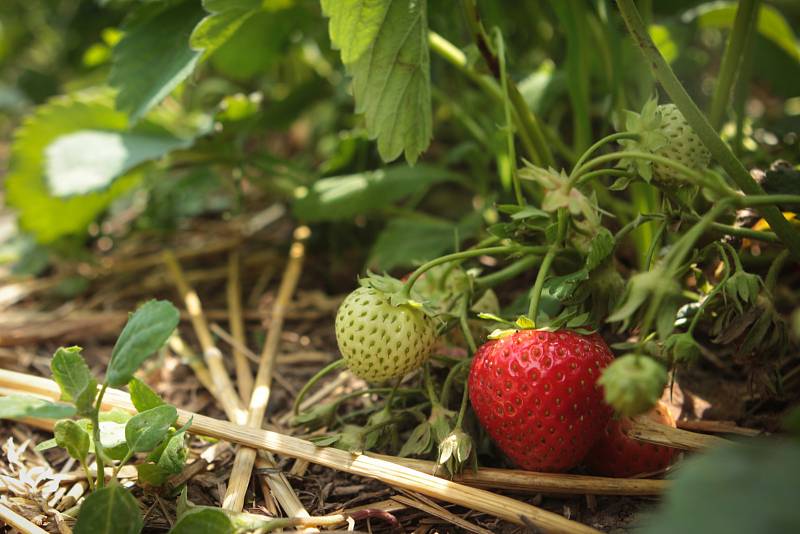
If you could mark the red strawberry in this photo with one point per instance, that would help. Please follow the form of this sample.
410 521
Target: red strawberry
536 395
617 455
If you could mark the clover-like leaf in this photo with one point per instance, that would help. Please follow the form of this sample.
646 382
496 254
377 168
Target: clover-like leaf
146 430
142 397
109 510
19 406
146 331
74 378
70 436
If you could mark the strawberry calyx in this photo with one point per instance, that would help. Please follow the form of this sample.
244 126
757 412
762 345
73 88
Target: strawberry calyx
395 290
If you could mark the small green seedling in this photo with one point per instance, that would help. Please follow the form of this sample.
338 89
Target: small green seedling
112 437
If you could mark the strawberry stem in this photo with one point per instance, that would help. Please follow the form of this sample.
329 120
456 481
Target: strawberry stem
743 26
466 254
313 380
592 149
536 291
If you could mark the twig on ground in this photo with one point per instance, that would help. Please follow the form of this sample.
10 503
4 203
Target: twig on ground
244 377
245 457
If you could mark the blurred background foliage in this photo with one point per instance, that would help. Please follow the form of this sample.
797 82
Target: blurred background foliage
261 110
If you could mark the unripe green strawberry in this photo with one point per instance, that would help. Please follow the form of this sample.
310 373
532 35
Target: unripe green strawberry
380 340
683 145
633 384
663 131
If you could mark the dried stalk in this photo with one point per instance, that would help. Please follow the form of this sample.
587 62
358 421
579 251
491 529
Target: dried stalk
359 464
437 511
245 457
529 481
647 430
250 355
244 377
224 391
717 427
12 518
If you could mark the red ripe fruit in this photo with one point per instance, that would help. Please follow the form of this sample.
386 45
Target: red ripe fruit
617 455
536 394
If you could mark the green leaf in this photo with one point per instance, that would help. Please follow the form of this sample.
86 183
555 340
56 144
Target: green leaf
269 33
203 521
109 510
410 241
173 458
112 437
146 430
46 216
344 197
747 488
142 397
224 19
151 474
70 436
384 45
771 23
74 378
47 444
89 160
146 331
600 248
18 406
154 55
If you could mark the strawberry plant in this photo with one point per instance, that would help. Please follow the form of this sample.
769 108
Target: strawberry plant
115 437
544 220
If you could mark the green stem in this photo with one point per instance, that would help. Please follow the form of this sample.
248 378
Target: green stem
506 273
746 11
124 460
774 270
604 141
512 154
640 219
429 384
536 291
463 409
462 321
654 244
693 176
313 380
466 254
719 150
448 381
98 446
88 474
767 200
742 89
710 297
530 128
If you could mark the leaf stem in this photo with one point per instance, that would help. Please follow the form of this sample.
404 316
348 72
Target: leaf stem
719 150
538 285
466 254
693 176
98 446
592 149
512 153
506 273
746 11
313 380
